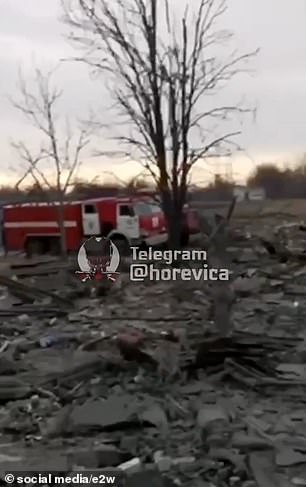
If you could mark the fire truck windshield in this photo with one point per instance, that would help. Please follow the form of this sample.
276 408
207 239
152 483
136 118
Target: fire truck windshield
155 208
142 209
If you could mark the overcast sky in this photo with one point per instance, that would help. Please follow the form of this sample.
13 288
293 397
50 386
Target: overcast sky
30 31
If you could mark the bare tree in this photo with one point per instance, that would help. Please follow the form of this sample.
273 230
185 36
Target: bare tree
58 157
162 75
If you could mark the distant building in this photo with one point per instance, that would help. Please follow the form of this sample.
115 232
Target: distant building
240 192
243 193
257 194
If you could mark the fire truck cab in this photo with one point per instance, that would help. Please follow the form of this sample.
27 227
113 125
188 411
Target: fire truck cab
191 229
34 227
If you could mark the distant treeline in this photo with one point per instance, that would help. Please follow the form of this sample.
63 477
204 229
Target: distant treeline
278 184
80 190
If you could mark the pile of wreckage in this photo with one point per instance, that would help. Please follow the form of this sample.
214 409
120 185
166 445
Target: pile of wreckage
163 383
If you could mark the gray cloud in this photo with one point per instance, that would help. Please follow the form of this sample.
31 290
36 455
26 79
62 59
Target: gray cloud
31 30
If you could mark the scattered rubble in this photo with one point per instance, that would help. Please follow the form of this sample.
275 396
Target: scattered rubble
141 379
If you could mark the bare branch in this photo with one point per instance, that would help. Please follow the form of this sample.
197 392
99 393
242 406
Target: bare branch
61 155
31 162
162 74
39 107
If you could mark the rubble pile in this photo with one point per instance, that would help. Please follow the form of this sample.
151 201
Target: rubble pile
138 380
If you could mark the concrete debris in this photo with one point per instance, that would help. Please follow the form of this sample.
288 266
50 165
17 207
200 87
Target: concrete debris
170 385
298 481
246 286
131 467
155 416
116 412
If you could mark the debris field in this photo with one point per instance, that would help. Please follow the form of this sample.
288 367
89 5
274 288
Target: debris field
138 379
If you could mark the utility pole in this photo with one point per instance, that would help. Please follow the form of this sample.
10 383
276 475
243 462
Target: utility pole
223 169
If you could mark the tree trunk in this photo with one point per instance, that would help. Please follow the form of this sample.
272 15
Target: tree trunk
174 217
175 230
61 224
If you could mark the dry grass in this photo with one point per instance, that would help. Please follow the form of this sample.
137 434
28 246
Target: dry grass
281 208
286 209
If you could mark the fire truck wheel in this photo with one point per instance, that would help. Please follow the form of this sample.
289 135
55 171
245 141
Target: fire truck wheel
143 246
123 246
34 246
184 238
55 246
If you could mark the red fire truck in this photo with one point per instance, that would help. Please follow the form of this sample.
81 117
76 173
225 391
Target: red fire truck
34 228
191 228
